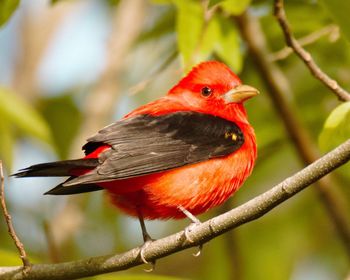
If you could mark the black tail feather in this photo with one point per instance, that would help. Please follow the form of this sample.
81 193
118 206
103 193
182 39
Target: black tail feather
57 168
75 189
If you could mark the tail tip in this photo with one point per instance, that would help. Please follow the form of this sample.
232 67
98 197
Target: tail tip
19 174
48 192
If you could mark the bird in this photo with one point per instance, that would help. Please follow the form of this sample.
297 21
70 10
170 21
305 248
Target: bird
175 157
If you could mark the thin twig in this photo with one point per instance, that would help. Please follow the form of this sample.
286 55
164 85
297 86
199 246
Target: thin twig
306 56
200 234
332 31
278 88
8 219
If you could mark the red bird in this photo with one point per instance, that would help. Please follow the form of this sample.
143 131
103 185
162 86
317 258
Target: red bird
177 156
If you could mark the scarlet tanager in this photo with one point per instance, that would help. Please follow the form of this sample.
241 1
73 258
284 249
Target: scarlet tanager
177 156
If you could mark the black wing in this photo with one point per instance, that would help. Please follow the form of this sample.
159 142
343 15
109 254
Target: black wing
148 144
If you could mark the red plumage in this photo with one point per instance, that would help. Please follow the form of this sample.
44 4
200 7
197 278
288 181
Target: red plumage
202 173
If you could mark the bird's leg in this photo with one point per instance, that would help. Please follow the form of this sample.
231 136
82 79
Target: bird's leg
195 221
146 241
145 235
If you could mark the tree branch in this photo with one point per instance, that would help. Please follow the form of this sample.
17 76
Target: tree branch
306 56
278 89
200 234
8 219
332 31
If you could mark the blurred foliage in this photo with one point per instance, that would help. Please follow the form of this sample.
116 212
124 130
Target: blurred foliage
213 3
163 25
339 11
286 244
135 277
8 258
200 38
7 141
235 7
15 113
7 7
62 110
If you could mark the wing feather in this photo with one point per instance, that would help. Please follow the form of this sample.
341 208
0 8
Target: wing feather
147 144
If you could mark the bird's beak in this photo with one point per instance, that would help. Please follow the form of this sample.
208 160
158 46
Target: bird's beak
240 93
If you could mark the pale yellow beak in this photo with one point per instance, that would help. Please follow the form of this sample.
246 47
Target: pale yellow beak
240 93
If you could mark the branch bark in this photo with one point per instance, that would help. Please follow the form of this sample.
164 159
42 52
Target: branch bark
306 56
278 88
251 210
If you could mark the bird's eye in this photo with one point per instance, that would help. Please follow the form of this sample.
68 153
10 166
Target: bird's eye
206 91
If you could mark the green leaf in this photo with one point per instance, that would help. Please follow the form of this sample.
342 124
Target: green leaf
7 8
235 7
222 38
23 116
197 41
211 37
336 128
213 3
189 26
228 46
339 11
64 119
6 143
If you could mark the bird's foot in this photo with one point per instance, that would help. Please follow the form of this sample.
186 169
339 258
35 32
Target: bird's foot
188 230
199 252
147 241
189 239
195 222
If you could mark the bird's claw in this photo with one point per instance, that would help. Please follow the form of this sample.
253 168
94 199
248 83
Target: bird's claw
189 239
142 255
142 251
198 253
153 267
195 222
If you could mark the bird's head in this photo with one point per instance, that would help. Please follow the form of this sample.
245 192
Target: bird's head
211 87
